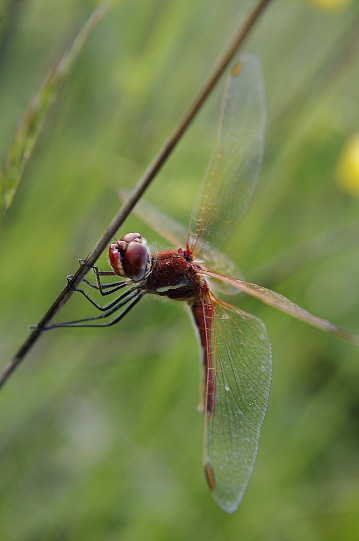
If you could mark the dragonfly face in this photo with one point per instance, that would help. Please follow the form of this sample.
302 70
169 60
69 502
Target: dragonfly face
129 256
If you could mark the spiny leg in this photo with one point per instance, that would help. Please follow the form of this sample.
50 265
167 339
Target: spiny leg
114 302
112 287
131 297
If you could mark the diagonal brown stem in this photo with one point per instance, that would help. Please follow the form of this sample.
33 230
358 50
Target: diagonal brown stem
141 186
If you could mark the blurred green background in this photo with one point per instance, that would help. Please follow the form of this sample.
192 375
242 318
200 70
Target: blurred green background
100 438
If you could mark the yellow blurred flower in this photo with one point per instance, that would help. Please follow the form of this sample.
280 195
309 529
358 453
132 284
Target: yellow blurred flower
331 5
348 166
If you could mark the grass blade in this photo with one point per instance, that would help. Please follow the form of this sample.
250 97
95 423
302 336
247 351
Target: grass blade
28 130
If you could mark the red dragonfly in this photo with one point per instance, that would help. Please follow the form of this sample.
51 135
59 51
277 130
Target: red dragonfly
235 345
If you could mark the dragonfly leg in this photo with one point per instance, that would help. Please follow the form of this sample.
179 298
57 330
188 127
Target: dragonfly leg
99 285
111 304
132 297
115 286
112 288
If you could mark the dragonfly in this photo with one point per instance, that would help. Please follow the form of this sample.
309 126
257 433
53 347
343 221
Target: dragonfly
235 347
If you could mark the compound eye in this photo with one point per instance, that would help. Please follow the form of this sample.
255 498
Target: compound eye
135 260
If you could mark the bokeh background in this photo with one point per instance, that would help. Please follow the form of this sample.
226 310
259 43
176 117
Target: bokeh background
100 438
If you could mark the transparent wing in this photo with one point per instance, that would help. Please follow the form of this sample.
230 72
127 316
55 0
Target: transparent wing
232 172
217 261
285 305
170 229
238 363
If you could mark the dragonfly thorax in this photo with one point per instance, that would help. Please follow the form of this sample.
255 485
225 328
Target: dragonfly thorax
174 277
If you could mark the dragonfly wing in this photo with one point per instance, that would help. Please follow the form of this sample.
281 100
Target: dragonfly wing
232 172
238 366
285 305
217 261
169 229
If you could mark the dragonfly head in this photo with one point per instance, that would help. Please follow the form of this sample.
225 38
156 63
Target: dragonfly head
129 256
